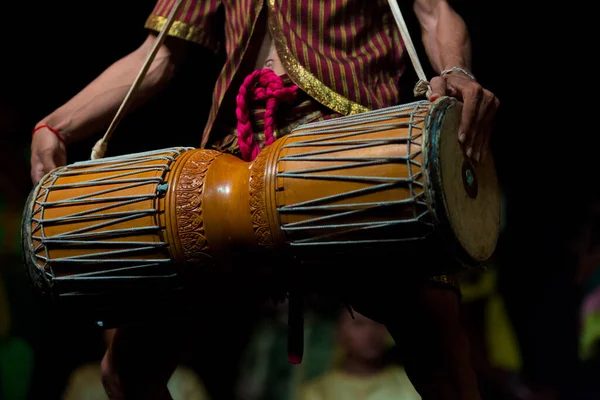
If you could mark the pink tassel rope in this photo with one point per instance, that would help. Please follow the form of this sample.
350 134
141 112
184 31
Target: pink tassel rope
261 86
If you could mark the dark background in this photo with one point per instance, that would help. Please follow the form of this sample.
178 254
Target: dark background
529 57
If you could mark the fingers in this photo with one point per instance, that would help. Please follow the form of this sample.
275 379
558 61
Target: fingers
60 156
37 169
48 160
438 88
486 127
482 127
479 111
47 153
41 164
472 94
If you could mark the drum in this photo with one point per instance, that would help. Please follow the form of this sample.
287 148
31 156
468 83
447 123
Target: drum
93 232
382 182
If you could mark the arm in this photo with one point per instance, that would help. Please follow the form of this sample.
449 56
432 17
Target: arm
448 45
444 35
93 108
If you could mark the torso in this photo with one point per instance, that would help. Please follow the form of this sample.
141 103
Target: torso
267 56
353 67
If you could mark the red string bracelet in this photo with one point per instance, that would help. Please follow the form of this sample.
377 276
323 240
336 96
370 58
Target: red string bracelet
58 135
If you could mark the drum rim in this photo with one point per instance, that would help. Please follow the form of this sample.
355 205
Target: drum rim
42 284
450 241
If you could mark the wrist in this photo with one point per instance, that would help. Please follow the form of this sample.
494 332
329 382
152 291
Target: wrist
60 127
56 132
458 70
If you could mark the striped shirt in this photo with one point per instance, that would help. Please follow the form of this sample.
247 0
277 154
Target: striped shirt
302 110
346 54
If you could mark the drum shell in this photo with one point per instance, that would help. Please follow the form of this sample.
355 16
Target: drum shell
222 228
385 185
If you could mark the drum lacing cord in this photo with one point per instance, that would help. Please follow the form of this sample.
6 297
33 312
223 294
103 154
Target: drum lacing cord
261 85
105 216
101 145
422 87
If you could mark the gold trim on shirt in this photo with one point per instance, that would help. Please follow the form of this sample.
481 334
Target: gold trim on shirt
180 30
306 80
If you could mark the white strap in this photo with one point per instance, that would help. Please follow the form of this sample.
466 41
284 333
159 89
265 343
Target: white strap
422 87
100 147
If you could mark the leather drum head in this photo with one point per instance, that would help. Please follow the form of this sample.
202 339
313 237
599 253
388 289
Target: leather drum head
466 195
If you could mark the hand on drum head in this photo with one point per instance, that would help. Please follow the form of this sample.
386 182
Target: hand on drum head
479 110
47 153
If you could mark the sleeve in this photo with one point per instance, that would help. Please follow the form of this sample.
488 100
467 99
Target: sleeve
195 21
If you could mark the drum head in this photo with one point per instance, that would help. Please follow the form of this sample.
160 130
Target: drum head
466 195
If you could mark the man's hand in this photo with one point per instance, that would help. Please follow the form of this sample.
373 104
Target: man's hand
479 110
47 153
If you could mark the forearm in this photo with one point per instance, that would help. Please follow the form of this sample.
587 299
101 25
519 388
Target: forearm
92 109
444 34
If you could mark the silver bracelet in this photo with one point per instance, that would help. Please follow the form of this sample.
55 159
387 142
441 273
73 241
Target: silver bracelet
462 71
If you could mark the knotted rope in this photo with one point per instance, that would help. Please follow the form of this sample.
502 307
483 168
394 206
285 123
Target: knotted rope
262 86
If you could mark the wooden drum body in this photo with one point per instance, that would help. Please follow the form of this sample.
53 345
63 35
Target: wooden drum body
128 227
383 179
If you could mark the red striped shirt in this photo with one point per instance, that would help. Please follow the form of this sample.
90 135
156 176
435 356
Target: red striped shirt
346 54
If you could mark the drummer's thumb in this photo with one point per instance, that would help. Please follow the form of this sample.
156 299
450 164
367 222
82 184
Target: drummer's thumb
437 88
49 160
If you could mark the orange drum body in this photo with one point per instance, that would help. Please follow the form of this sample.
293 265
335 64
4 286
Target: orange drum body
385 181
